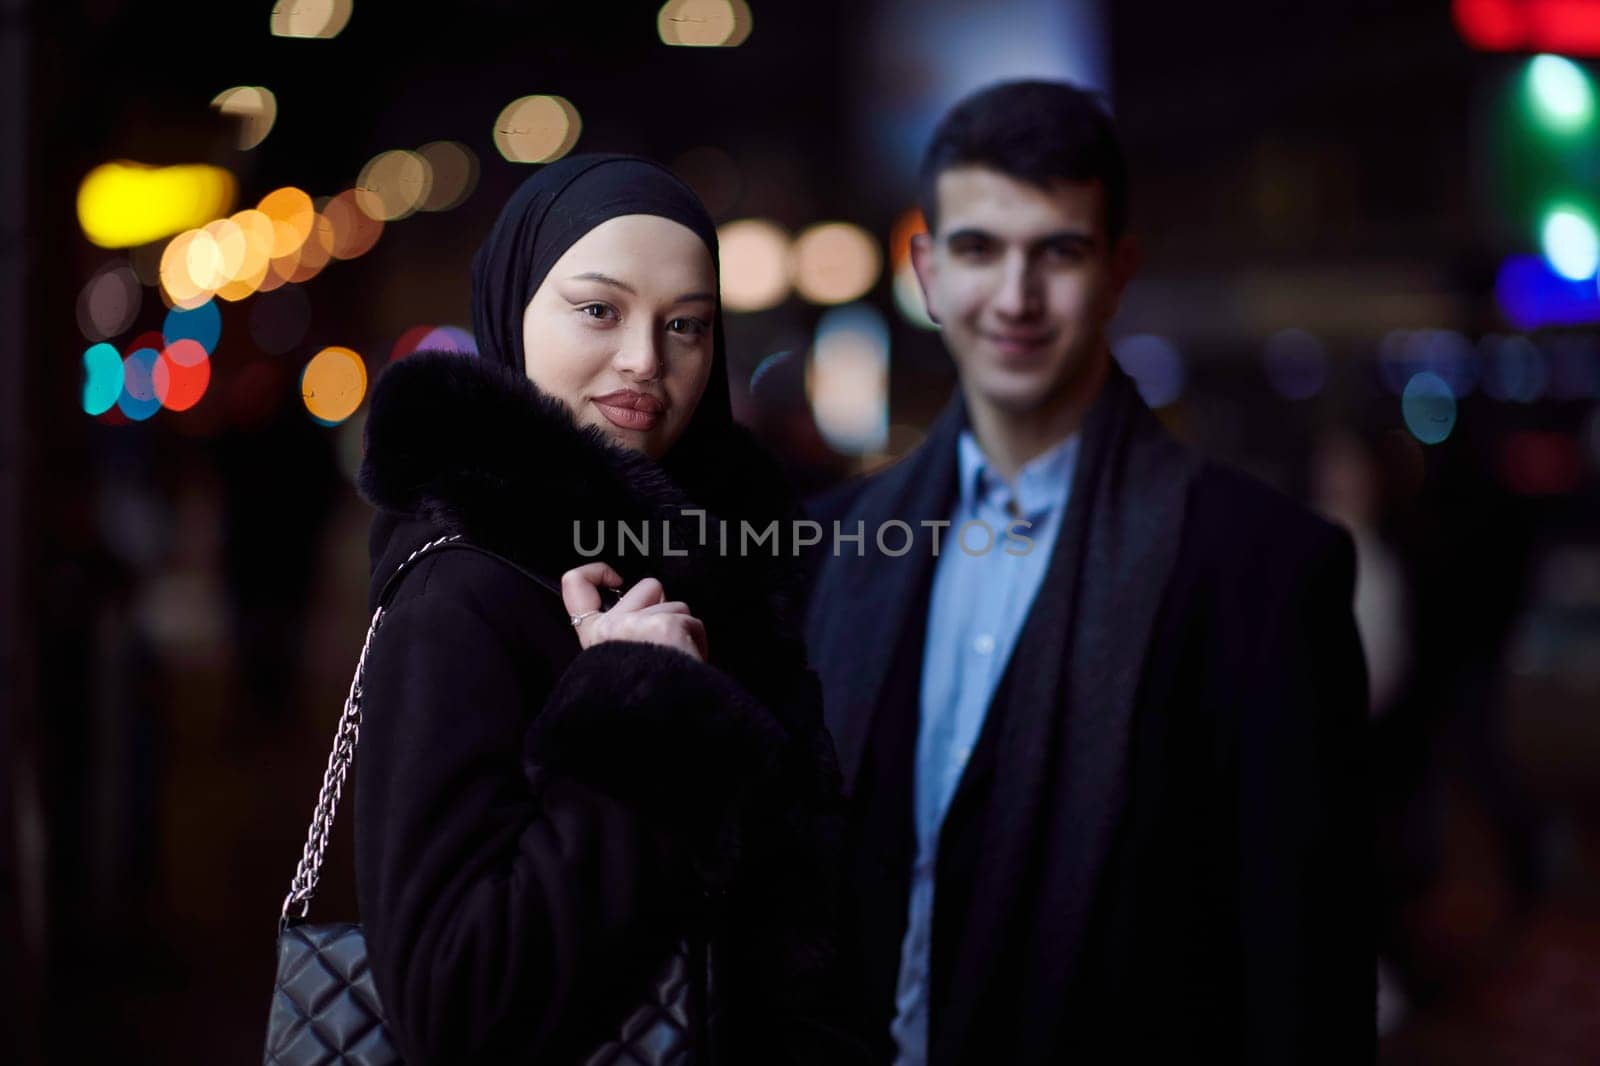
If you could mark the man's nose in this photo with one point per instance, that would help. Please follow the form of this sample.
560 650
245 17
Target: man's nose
1017 295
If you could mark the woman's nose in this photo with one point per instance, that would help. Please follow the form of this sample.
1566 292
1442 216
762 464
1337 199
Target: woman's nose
641 356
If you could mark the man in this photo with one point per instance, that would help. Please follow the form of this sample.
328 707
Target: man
1105 749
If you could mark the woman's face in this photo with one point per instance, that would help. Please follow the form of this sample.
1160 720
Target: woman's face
620 330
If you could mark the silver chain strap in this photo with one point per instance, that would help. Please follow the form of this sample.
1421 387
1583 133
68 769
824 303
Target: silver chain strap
304 885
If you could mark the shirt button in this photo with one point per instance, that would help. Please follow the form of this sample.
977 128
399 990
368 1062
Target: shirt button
984 645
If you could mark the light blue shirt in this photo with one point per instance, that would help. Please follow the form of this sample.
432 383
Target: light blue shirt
976 609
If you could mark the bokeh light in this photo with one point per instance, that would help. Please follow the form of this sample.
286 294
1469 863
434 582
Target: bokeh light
908 295
835 262
177 286
102 378
201 324
755 264
181 374
259 234
1514 368
1296 363
254 106
1569 243
1561 92
847 379
354 232
1403 353
138 400
293 216
394 184
124 204
1428 407
448 339
1155 365
279 320
109 302
310 18
408 342
704 23
1541 462
537 129
454 169
307 261
333 385
1531 295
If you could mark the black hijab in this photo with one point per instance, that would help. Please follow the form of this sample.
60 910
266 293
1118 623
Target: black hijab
546 216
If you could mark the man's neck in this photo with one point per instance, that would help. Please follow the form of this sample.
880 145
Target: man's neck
1010 438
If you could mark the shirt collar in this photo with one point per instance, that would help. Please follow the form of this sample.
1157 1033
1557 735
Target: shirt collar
1042 484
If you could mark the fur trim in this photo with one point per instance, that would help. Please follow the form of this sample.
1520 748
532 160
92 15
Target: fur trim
476 449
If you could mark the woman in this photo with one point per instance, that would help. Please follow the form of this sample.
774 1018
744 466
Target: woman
552 796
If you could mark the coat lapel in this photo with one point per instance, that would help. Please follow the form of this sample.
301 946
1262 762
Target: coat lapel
1061 777
864 604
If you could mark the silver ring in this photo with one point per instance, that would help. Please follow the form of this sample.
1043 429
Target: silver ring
577 619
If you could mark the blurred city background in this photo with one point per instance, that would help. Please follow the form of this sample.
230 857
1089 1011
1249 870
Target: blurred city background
1370 236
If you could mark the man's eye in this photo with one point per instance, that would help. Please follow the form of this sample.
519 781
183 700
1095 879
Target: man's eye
971 249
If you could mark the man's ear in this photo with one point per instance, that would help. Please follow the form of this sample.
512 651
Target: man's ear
922 263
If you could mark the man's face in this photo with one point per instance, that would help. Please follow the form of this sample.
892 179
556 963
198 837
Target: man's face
1022 281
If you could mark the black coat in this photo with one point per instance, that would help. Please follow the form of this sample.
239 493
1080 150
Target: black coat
1160 848
536 825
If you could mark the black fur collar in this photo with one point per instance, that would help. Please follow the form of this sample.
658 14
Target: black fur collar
474 448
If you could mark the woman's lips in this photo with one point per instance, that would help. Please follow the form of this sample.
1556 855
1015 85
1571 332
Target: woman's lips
630 410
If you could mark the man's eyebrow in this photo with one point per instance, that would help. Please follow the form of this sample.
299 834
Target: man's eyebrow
1066 236
605 279
968 233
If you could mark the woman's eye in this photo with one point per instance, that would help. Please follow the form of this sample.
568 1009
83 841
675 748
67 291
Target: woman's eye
690 327
596 310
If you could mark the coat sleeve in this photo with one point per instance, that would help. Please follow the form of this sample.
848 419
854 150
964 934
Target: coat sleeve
503 903
1305 859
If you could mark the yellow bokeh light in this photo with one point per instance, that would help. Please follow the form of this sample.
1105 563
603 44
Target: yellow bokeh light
122 204
393 185
254 106
835 262
334 383
455 174
310 18
537 129
755 264
292 215
704 23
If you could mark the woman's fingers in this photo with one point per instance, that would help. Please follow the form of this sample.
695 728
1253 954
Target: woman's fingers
580 586
647 593
669 607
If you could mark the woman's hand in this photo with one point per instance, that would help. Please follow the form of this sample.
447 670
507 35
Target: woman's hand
643 614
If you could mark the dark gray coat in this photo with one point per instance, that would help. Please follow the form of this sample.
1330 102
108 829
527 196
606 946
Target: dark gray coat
1160 850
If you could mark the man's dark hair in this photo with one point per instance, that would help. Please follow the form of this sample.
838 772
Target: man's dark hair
1037 132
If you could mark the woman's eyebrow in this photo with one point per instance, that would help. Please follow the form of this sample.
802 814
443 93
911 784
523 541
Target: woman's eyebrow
605 279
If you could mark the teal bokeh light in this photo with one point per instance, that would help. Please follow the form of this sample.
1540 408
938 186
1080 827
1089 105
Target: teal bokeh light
102 378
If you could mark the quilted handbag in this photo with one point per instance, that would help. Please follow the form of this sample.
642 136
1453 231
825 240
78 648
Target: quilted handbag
325 1007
